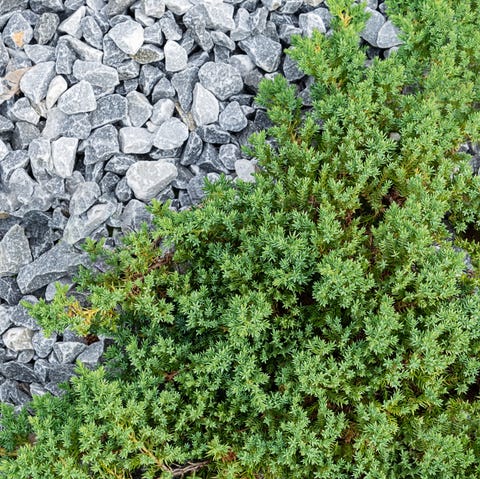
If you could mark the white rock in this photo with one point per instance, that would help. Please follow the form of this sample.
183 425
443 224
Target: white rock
135 140
148 178
176 57
14 251
205 108
64 151
154 8
72 24
244 170
80 98
57 87
128 36
162 111
171 134
178 7
18 339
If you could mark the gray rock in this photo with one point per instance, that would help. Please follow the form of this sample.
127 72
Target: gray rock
80 98
162 111
178 7
163 89
51 266
82 50
209 161
65 57
17 32
175 57
37 389
171 134
101 145
258 21
73 24
91 32
57 87
193 150
60 373
134 215
45 27
228 155
184 82
18 339
242 28
23 134
221 79
196 189
272 4
388 36
34 83
11 394
108 182
64 151
372 27
85 196
60 124
110 109
291 70
14 251
263 51
21 186
40 53
154 8
148 178
135 140
309 22
19 372
5 318
10 293
213 134
205 108
22 110
13 160
170 28
123 192
80 227
128 36
5 125
66 352
25 356
92 354
242 63
139 108
9 5
244 170
116 7
219 16
37 230
43 345
232 117
95 73
120 164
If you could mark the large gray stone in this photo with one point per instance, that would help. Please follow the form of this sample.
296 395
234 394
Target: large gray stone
232 117
84 197
139 108
92 354
34 83
57 87
171 134
80 98
14 251
135 140
176 57
17 32
9 5
72 126
128 36
219 16
205 108
18 339
263 51
221 79
388 36
57 262
72 24
311 21
67 351
45 27
372 27
110 109
18 371
5 318
183 82
64 151
96 74
148 178
43 345
101 145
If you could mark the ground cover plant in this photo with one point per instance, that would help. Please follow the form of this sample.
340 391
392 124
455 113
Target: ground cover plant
319 323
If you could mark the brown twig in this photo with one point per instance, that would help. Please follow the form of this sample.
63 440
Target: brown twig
190 467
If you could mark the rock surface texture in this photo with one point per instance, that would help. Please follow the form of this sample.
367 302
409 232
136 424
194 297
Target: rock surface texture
120 102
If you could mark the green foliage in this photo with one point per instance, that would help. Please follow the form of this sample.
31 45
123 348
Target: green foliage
316 324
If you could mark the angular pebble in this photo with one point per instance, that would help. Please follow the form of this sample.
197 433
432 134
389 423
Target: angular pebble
372 27
148 178
205 108
14 251
110 109
17 32
128 36
18 339
95 73
388 36
72 24
245 170
80 98
184 82
67 351
176 57
101 145
309 22
92 354
221 79
232 117
135 140
43 345
263 51
45 27
64 151
162 111
219 16
57 87
171 134
139 108
35 82
85 196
